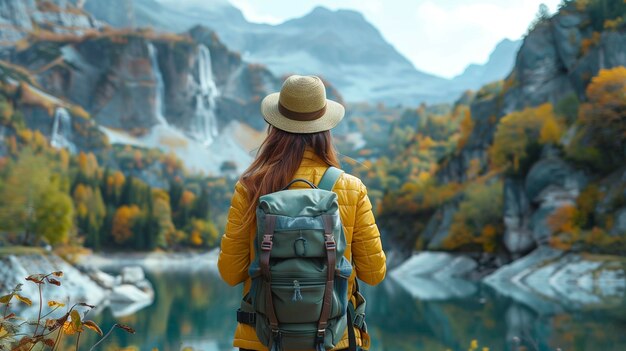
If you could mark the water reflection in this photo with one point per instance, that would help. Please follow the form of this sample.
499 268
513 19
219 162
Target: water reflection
197 310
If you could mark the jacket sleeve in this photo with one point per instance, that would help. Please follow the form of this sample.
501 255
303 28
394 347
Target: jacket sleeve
367 250
234 258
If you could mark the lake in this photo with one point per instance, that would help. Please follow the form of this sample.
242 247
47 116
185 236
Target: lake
197 310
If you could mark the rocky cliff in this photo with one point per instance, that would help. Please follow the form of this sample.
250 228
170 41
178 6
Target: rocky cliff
21 18
176 92
555 65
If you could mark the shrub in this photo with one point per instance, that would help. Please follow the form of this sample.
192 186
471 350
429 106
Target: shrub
603 114
479 218
518 130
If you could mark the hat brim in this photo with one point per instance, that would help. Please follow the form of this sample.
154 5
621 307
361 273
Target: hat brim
333 115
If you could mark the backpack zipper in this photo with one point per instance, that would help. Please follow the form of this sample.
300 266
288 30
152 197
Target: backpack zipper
297 294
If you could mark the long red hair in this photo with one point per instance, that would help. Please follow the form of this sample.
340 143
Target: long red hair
277 161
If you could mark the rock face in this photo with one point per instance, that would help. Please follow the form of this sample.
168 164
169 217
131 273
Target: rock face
59 16
550 66
518 236
137 80
178 93
551 184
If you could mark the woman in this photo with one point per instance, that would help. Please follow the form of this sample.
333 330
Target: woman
299 145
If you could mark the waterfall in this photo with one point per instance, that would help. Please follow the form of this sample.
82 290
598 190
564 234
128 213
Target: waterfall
160 86
204 124
62 130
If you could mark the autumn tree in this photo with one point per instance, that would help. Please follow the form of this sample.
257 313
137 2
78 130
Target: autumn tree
123 223
162 214
478 221
603 115
90 213
519 131
30 189
54 214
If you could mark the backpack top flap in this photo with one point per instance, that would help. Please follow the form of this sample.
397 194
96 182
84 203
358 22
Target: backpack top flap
299 219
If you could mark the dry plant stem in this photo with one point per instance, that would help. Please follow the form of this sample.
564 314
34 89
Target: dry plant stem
103 338
58 339
77 340
39 315
49 313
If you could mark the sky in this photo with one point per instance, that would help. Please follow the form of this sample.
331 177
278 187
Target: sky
439 36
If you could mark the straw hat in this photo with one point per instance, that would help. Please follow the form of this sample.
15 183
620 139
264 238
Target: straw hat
302 107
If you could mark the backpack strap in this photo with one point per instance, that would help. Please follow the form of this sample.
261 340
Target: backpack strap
329 178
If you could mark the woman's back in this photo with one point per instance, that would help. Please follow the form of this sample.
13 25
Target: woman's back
287 156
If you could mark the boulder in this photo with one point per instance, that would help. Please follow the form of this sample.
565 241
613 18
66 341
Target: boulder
127 293
103 279
132 275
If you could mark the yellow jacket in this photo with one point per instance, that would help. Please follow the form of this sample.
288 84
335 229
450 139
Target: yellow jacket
364 246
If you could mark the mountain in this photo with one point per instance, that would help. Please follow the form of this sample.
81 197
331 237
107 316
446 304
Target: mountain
348 51
500 62
341 46
541 154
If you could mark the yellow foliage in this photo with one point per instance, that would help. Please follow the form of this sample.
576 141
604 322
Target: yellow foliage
123 222
603 113
550 132
196 238
187 198
478 220
613 24
518 129
587 43
581 5
563 220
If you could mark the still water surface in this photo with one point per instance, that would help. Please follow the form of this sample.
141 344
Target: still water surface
197 310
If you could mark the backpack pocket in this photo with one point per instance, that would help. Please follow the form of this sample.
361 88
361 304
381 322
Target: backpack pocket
298 302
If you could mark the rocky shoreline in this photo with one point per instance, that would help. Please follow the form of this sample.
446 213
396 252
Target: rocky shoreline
123 294
152 261
546 280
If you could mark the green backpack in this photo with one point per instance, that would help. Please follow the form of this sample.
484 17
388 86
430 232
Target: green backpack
298 298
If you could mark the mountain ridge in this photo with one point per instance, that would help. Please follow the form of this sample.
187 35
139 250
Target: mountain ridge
364 67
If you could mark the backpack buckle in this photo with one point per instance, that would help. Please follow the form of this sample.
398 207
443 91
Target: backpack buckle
319 338
266 244
330 243
359 321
